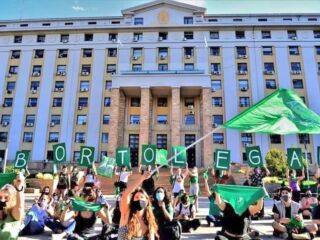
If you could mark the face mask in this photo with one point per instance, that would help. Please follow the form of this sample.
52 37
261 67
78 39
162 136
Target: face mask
46 193
138 205
285 198
2 205
159 196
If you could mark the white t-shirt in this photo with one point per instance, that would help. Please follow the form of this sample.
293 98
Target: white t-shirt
123 176
184 210
178 184
90 178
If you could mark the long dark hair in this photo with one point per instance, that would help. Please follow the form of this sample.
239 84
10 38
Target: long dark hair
167 197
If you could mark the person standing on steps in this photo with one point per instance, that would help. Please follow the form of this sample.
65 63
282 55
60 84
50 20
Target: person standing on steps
177 182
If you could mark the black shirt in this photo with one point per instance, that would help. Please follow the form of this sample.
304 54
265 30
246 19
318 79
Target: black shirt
233 223
288 211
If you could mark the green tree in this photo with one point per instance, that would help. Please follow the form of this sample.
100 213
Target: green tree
276 162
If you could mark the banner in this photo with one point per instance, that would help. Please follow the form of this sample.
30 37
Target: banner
162 157
59 153
86 156
80 205
106 167
22 158
148 154
254 156
222 159
294 158
181 159
123 157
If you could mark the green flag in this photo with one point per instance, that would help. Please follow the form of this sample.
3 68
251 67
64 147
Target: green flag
161 157
123 157
22 158
106 167
59 153
294 158
181 159
80 205
148 154
239 197
254 156
6 178
86 156
222 159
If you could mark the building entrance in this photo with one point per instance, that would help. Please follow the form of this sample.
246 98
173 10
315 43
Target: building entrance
191 152
134 149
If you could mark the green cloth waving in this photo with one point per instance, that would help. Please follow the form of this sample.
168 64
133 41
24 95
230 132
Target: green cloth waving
6 178
239 197
79 205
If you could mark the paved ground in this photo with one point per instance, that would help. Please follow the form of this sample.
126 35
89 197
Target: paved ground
204 232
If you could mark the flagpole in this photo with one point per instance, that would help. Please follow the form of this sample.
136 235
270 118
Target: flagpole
306 157
5 159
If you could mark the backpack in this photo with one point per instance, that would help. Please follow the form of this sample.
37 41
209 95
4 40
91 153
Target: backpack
116 214
190 208
172 230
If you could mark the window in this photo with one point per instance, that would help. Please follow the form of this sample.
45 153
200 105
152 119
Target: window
7 102
136 53
188 35
246 138
243 85
216 101
304 138
113 37
27 136
188 102
36 71
112 52
136 67
81 119
64 38
111 68
241 51
34 85
267 50
316 34
80 137
85 69
237 20
218 138
137 37
162 102
189 67
38 53
292 34
138 21
297 83
287 19
68 23
217 120
244 101
61 70
265 34
108 85
13 69
318 68
3 136
188 20
17 39
55 119
293 50
30 119
162 119
84 86
10 87
317 50
83 102
76 156
215 68
59 85
296 67
189 119
105 138
162 141
262 20
163 36
214 35
41 38
88 37
212 20
92 23
188 52
87 52
271 84
275 139
242 68
163 53
240 35
107 101
63 53
134 119
215 51
269 67
106 119
15 54
163 67
135 102
53 137
312 19
57 102
5 120
32 102
215 85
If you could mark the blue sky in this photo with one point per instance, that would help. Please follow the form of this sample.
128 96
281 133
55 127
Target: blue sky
30 9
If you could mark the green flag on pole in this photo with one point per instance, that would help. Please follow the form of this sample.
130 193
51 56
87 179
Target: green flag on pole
222 159
22 158
162 157
80 205
254 156
148 154
86 156
59 153
181 159
106 167
294 158
239 197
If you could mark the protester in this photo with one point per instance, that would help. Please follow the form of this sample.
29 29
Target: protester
194 186
90 177
148 184
215 215
177 183
185 213
307 203
123 178
137 219
317 175
288 218
294 183
12 208
74 179
63 182
220 176
316 214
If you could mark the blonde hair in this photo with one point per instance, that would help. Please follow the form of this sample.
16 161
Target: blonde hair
13 194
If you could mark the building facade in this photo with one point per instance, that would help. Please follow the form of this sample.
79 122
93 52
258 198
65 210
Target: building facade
163 73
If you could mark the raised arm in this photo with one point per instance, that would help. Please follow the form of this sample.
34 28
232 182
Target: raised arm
267 170
18 210
207 193
253 209
171 170
300 178
220 203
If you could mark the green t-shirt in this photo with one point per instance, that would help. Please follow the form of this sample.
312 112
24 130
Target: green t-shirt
158 214
193 179
9 229
214 210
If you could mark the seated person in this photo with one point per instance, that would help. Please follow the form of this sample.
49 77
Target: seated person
307 203
285 211
316 213
185 214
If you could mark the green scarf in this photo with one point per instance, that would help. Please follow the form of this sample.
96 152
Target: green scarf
239 197
80 205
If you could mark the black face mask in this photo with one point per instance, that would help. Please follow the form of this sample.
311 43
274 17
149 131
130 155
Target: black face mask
2 205
46 193
138 205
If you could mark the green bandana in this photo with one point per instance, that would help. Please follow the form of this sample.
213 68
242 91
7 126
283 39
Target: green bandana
79 205
239 197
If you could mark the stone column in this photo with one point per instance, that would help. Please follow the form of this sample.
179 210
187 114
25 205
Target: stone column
145 107
114 122
175 117
206 126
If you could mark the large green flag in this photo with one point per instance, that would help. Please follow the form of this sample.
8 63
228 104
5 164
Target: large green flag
6 178
106 167
282 112
161 157
79 205
239 197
